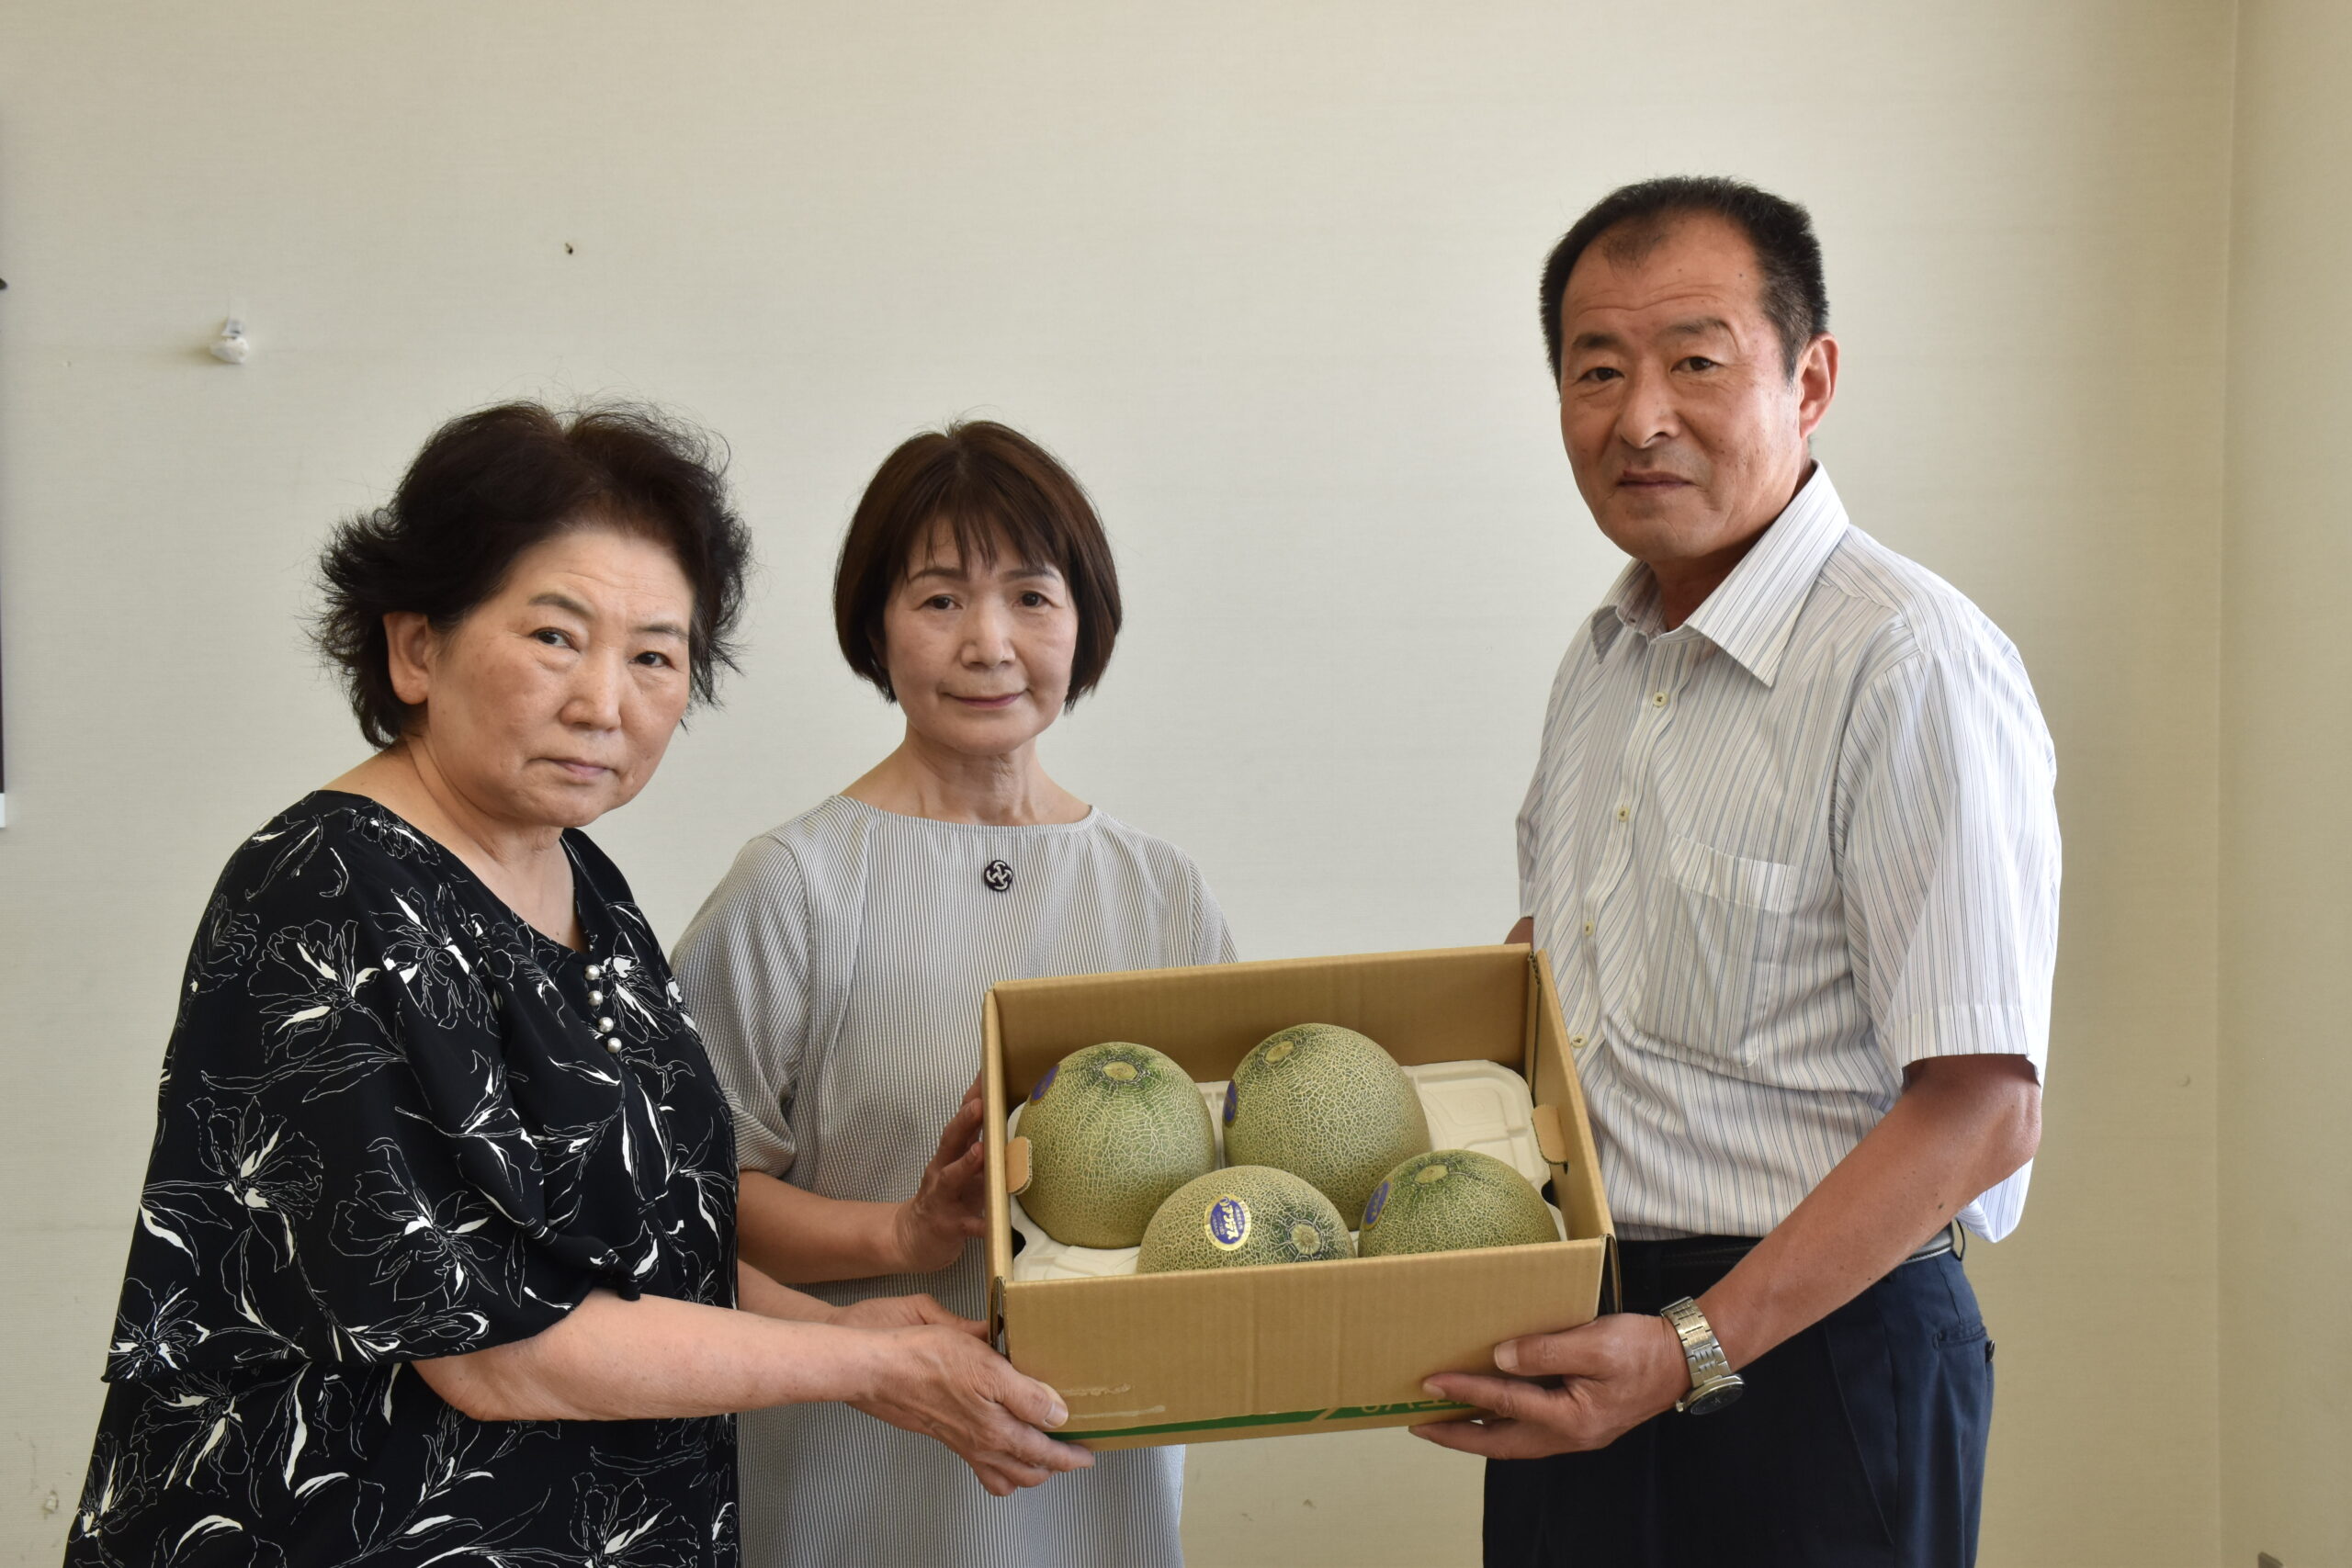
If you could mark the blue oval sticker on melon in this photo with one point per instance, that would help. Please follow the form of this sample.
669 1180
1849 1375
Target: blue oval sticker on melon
1044 1083
1379 1201
1228 1222
1232 1097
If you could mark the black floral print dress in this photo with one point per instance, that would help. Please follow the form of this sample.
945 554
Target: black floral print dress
397 1123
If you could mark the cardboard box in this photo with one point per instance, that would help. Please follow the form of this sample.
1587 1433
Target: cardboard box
1152 1358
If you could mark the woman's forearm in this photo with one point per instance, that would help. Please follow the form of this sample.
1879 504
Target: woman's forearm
655 1357
612 1359
796 1237
755 1292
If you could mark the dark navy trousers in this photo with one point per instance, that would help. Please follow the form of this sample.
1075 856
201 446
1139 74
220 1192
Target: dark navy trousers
1859 1443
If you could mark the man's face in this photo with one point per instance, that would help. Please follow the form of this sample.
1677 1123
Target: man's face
1685 429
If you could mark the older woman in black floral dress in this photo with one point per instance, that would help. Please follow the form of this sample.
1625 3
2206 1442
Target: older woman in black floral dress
435 1258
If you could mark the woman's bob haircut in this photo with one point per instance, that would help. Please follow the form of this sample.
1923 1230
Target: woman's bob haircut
489 486
989 488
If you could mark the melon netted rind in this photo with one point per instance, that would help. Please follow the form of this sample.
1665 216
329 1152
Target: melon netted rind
1326 1104
1113 1130
1449 1199
1267 1216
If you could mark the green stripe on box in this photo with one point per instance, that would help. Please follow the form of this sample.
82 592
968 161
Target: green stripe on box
1410 1407
1281 1418
1286 1417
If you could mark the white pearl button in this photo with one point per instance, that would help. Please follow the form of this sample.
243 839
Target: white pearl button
595 971
614 1047
596 998
604 1026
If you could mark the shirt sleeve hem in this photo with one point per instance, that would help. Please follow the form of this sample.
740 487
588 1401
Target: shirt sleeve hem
1983 1029
758 1148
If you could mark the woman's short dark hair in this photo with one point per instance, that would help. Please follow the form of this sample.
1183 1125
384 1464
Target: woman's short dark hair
490 485
1796 298
988 487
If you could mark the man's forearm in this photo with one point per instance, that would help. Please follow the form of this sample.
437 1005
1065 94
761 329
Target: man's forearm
1962 1125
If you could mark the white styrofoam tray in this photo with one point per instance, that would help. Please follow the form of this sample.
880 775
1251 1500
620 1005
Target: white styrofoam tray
1481 1105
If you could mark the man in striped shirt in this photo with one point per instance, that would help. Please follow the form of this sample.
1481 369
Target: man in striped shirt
1792 849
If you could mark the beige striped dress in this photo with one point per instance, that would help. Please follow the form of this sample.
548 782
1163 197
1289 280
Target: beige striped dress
836 974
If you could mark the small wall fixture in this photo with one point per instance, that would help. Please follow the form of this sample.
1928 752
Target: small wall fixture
233 347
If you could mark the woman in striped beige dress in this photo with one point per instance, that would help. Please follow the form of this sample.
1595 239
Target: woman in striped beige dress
837 975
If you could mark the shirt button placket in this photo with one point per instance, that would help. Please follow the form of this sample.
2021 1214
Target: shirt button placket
1649 683
1609 865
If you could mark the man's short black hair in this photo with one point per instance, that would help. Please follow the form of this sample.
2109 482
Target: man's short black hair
1636 217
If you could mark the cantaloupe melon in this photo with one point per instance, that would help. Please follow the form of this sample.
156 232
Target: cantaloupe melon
1452 1199
1241 1216
1324 1104
1113 1130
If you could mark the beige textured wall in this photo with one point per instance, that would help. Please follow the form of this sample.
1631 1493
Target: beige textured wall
2286 1047
1265 275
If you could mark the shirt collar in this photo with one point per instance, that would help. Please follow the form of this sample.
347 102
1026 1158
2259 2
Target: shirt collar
1751 612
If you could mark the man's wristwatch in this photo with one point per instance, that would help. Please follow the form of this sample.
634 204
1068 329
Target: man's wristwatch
1713 1382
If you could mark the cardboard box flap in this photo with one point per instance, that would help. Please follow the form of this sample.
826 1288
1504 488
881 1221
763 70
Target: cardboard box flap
1448 1004
1549 1140
1553 1082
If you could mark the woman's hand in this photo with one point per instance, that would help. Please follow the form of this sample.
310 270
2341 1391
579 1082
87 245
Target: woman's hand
904 1312
797 1237
948 1209
937 1382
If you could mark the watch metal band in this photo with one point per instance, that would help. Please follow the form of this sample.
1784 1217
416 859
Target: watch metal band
1713 1382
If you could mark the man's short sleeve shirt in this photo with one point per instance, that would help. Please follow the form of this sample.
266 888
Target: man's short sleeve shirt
1780 852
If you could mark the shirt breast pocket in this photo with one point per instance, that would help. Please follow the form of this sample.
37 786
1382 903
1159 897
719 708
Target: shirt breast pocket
1717 921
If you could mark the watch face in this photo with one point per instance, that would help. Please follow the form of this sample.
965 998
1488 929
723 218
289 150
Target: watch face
1714 1396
